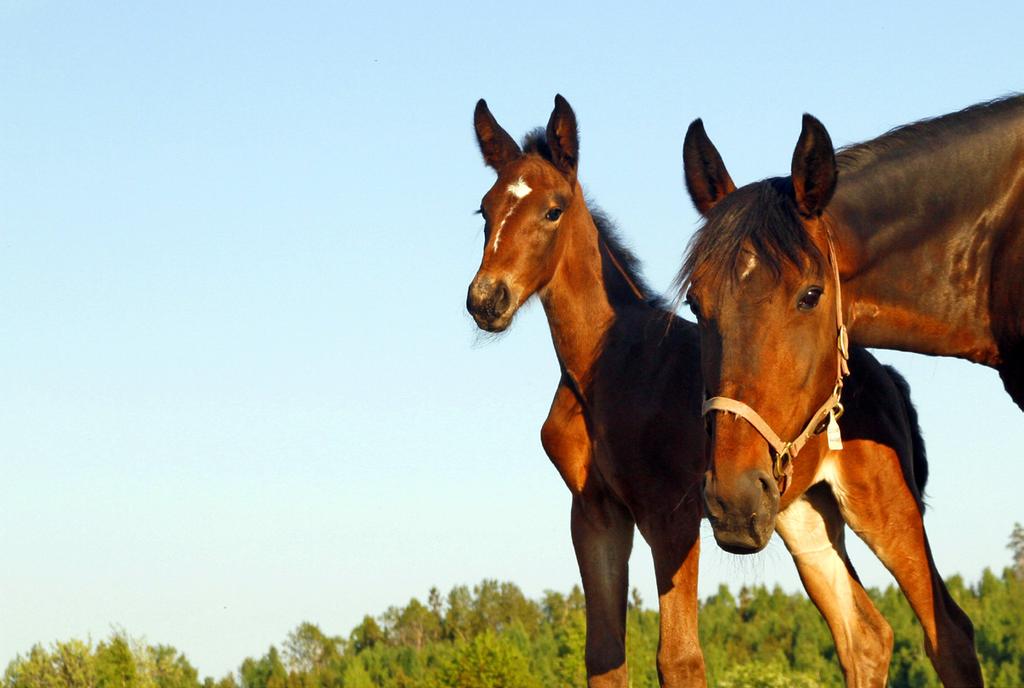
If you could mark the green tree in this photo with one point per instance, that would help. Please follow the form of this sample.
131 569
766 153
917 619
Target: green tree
497 606
487 661
226 682
494 636
414 626
267 672
167 667
118 662
766 675
366 635
456 624
435 603
116 666
355 675
74 662
570 646
309 650
36 670
1016 545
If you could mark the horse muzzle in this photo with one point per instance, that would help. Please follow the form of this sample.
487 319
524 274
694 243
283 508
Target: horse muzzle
491 303
742 517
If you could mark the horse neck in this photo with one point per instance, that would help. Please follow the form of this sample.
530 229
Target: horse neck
575 299
917 247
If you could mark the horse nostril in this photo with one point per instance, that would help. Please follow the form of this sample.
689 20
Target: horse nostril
713 504
766 493
501 298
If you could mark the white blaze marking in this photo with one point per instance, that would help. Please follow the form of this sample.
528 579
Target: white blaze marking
519 190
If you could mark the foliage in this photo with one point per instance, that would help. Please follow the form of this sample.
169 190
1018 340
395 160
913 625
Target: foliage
774 674
487 661
118 662
1016 545
493 636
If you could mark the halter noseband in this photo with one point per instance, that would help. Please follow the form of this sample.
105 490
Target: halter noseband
832 409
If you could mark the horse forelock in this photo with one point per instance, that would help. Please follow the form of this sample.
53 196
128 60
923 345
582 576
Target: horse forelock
536 142
760 218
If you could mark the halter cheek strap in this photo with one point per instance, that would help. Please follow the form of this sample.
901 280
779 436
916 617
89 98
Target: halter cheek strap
831 410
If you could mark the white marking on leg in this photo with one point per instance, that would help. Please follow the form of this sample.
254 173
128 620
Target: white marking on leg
806 534
803 529
519 191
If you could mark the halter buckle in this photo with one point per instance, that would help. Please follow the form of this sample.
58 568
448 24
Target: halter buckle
782 462
838 410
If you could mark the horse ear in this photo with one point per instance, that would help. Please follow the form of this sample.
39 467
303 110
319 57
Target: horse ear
707 180
497 147
563 138
814 168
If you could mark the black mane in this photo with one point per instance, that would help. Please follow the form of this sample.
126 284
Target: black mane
763 216
626 259
616 284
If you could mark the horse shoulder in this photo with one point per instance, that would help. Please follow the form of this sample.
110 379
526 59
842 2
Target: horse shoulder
566 440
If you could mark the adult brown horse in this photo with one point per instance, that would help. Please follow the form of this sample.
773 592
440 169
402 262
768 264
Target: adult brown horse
762 276
624 430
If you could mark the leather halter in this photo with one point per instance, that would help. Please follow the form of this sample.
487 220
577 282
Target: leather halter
831 410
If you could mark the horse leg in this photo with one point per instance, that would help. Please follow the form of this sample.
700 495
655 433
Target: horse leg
602 534
675 545
879 506
813 530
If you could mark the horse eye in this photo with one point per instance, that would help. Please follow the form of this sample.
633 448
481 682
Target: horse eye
809 299
554 214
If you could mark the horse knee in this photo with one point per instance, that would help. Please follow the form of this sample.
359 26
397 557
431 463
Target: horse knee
961 619
957 616
604 674
867 663
683 667
881 631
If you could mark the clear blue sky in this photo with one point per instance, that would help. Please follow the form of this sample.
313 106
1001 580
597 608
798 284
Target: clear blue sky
238 389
